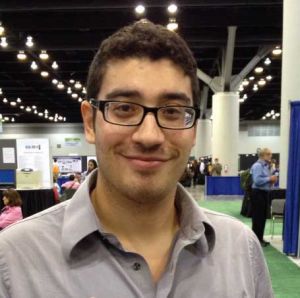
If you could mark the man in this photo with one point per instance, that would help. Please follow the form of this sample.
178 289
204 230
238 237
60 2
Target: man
263 182
131 230
216 168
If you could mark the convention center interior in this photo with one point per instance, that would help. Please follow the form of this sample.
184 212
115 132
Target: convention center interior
248 131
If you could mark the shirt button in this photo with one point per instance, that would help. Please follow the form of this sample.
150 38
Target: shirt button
136 266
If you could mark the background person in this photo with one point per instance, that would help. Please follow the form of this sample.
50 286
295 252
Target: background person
216 169
263 182
92 164
12 211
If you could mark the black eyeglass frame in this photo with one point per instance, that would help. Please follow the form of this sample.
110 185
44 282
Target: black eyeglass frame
100 105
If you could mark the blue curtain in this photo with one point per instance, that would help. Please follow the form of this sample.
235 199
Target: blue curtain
291 224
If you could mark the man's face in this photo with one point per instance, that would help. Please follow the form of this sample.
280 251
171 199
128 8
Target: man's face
268 156
141 162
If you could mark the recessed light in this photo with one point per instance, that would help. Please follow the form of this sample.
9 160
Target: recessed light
74 95
54 65
172 25
277 51
259 69
267 61
29 43
43 55
60 85
3 42
13 103
172 8
44 74
77 85
21 55
5 100
33 65
269 78
140 9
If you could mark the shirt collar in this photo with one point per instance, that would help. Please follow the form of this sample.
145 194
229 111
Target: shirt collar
80 219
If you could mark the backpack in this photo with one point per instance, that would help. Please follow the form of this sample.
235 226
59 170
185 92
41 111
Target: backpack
246 180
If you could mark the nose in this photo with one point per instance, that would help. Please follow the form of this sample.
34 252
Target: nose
148 134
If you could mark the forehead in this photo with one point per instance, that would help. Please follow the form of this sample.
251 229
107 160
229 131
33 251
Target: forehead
145 76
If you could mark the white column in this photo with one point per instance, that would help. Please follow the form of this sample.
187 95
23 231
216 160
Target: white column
203 139
225 131
290 77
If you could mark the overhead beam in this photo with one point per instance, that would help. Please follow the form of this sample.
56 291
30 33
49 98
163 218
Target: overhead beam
211 82
203 101
262 53
228 62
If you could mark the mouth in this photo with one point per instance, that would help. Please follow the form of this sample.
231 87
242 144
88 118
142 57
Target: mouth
142 162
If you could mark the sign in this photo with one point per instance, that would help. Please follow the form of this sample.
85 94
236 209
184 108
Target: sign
8 155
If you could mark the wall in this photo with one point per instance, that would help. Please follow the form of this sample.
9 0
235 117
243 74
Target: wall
56 133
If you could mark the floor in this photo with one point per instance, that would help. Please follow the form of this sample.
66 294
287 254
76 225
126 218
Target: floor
198 193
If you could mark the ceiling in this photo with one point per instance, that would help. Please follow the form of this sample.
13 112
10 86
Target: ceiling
71 32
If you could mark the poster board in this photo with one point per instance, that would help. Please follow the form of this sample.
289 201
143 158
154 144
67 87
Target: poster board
69 164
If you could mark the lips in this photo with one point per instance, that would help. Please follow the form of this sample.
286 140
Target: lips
145 162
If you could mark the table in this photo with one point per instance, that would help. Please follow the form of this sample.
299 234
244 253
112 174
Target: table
34 200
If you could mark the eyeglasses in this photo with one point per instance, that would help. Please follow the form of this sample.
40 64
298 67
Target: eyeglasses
132 114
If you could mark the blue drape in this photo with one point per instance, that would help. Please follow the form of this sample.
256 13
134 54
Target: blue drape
291 223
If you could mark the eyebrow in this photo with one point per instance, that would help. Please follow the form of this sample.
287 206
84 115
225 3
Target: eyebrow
136 94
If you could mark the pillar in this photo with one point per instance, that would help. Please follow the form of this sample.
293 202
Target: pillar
225 131
203 138
290 77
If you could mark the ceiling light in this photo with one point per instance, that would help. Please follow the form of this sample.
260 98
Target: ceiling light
277 114
60 85
277 51
46 111
19 100
3 42
29 43
273 117
261 82
173 25
60 117
269 78
33 65
245 83
84 90
140 9
6 118
264 118
43 55
35 112
21 55
46 116
28 109
51 118
33 107
40 114
1 91
255 87
12 119
172 8
267 61
74 95
79 99
72 81
54 65
13 103
272 112
69 91
22 107
241 100
2 29
77 85
54 81
268 115
5 100
44 74
245 96
65 119
259 69
251 78
241 88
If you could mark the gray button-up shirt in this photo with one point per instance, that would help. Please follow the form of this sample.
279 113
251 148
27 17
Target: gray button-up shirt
64 252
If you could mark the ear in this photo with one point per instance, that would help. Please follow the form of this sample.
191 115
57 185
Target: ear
88 121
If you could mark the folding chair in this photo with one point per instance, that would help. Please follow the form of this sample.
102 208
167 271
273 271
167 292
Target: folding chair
277 212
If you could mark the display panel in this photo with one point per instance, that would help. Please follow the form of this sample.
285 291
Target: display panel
7 177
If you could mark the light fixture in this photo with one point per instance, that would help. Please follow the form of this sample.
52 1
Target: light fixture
46 116
51 118
60 85
245 96
140 9
29 43
259 69
269 78
69 91
19 100
12 119
267 61
1 91
65 119
2 29
72 81
277 51
79 99
60 118
264 118
268 114
277 114
84 90
54 65
245 83
54 81
13 103
43 55
261 82
21 55
272 112
6 118
172 8
241 88
255 87
3 42
241 100
74 95
78 85
5 100
172 25
273 117
44 74
251 78
33 65
22 107
33 107
35 112
28 109
40 114
45 111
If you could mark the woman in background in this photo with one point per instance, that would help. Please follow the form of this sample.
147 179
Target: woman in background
92 164
12 211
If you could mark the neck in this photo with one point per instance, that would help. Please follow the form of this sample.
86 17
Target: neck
131 220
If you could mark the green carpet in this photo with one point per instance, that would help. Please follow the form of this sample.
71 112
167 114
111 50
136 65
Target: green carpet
285 274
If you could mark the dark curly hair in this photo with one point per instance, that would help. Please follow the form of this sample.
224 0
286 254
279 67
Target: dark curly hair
146 40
